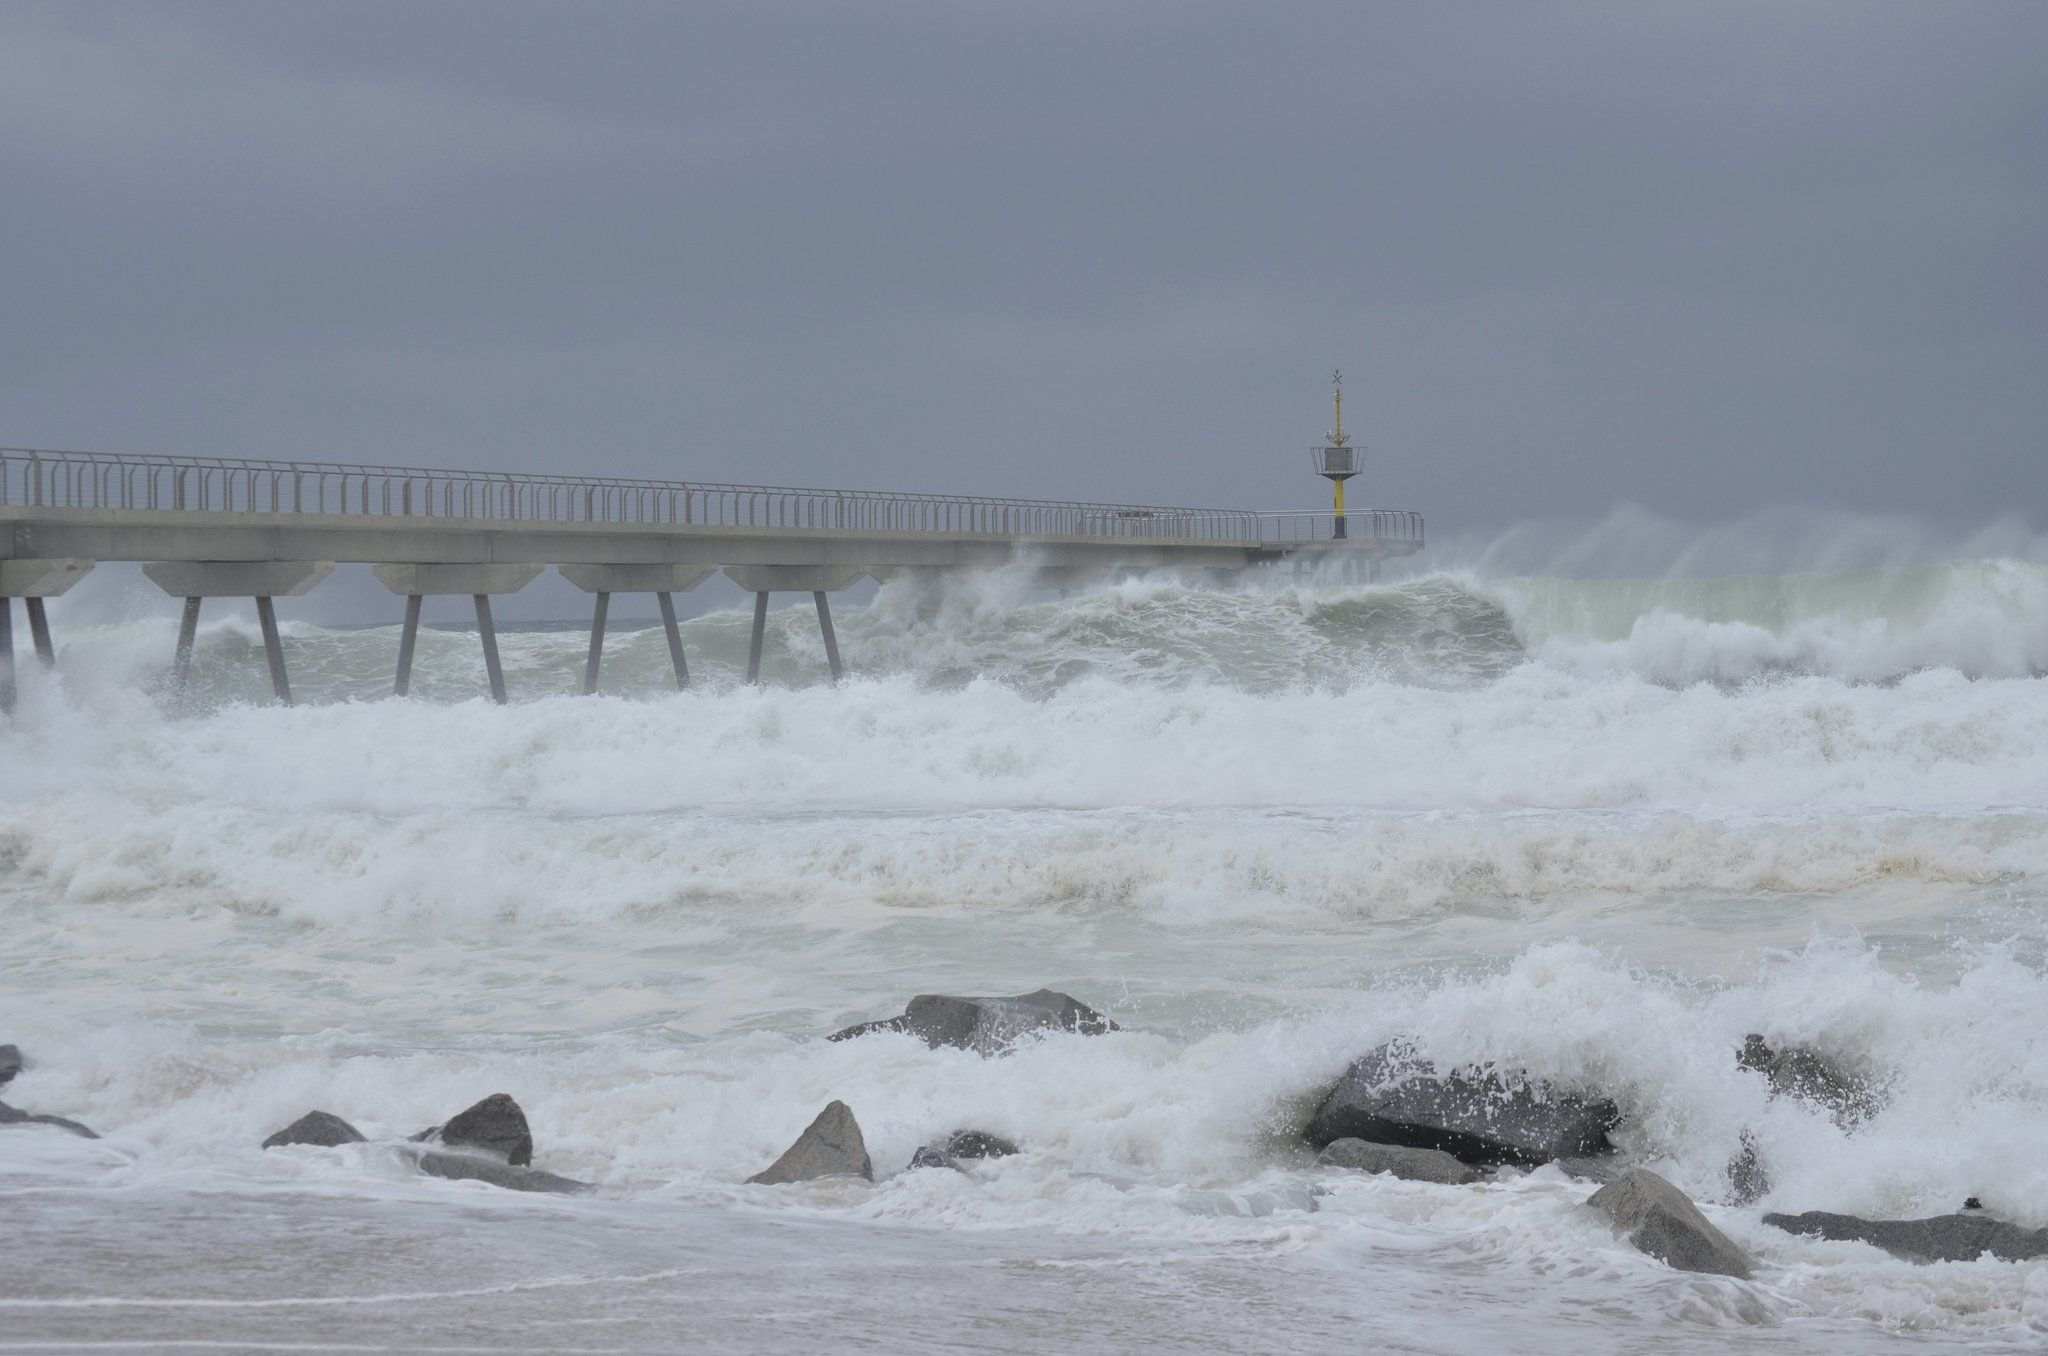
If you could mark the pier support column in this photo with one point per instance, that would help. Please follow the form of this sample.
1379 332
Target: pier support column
273 649
39 631
480 582
663 581
604 603
816 580
760 634
408 640
188 631
32 581
825 629
263 580
487 631
676 661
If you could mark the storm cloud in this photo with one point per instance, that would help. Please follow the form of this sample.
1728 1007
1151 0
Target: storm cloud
1703 258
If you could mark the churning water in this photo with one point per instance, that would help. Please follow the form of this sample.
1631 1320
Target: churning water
1596 829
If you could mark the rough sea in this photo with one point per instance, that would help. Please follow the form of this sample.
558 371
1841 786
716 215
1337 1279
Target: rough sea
1595 829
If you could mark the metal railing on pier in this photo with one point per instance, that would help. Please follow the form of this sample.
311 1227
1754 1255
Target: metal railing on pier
128 481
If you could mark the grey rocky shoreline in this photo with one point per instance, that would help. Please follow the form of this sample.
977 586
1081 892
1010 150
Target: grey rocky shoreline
1390 1113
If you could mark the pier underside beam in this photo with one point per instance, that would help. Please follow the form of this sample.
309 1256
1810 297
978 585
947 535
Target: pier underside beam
417 581
263 580
663 581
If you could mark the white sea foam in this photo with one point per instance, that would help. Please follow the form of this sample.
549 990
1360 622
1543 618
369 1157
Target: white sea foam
1598 831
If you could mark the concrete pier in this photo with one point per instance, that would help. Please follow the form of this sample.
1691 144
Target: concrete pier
417 581
32 581
433 531
262 580
663 581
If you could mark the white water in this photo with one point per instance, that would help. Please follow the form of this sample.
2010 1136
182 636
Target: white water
1597 829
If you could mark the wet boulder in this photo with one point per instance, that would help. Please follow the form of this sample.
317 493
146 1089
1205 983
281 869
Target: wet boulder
15 1116
1476 1114
1414 1165
961 1146
831 1146
1804 1073
1662 1221
488 1168
496 1125
10 1063
1944 1238
986 1025
323 1128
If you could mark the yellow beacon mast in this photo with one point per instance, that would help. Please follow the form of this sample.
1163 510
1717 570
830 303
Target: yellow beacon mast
1337 460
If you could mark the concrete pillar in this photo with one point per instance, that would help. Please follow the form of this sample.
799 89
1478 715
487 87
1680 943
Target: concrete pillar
663 581
675 638
39 628
408 638
188 629
32 581
477 580
604 602
273 649
825 629
263 580
816 580
487 630
760 634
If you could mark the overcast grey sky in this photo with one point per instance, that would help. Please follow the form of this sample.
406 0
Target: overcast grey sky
1702 257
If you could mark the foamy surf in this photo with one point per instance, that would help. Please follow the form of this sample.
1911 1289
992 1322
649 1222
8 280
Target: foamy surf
1599 831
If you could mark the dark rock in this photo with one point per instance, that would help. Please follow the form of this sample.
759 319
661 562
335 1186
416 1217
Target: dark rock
831 1146
1473 1114
961 1146
986 1025
1415 1165
316 1127
1944 1238
15 1116
1602 1170
1662 1221
496 1125
10 1063
465 1167
1802 1072
1972 1203
1748 1181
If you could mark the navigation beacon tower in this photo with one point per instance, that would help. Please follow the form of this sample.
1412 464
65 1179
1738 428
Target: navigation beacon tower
1337 460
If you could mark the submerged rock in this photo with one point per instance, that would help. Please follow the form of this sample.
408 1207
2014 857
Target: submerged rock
1414 1165
468 1167
495 1125
316 1127
831 1146
1802 1072
1473 1114
10 1063
986 1025
1257 1204
15 1116
1662 1221
961 1146
1944 1238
